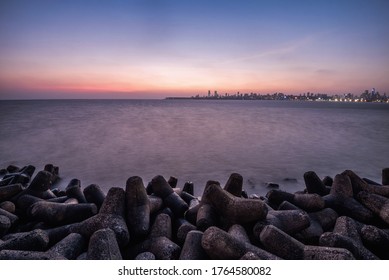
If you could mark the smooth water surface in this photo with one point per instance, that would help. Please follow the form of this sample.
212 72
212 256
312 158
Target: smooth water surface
107 141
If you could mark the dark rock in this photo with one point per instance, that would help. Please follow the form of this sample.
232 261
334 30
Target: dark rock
36 240
7 192
138 207
54 170
189 188
234 209
314 184
5 225
74 190
234 184
103 246
145 256
218 244
61 213
376 203
8 206
271 185
290 221
94 194
281 244
206 217
385 176
326 253
172 181
307 202
156 203
161 247
192 249
332 239
328 181
27 255
171 199
183 228
70 247
111 215
162 226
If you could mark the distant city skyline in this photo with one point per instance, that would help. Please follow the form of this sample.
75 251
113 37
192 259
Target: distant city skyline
154 49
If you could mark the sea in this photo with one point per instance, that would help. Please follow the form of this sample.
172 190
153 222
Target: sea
105 142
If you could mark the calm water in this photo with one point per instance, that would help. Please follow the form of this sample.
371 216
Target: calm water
107 141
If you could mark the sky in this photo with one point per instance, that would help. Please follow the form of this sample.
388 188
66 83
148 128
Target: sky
153 49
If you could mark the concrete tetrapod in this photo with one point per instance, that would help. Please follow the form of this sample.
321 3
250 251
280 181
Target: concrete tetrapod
234 209
283 245
314 184
73 190
111 215
171 199
308 202
219 244
376 203
94 194
342 201
62 213
138 207
290 221
234 184
103 246
192 249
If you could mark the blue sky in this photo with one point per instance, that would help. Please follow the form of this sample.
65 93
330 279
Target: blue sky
60 49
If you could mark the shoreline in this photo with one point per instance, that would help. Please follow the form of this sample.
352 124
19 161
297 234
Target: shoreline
345 217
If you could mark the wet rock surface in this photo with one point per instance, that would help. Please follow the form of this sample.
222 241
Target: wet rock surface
340 218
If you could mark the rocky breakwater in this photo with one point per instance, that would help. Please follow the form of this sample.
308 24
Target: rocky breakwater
345 217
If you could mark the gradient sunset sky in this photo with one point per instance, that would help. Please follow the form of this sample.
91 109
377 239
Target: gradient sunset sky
153 49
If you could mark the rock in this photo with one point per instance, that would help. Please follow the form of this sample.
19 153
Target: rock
183 228
314 184
8 206
74 190
206 217
145 256
5 225
307 202
326 253
162 226
161 247
332 239
271 185
138 207
36 240
376 203
172 181
111 215
192 249
234 209
103 246
7 192
94 194
70 247
234 184
189 188
290 221
385 176
281 244
170 198
218 244
62 213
